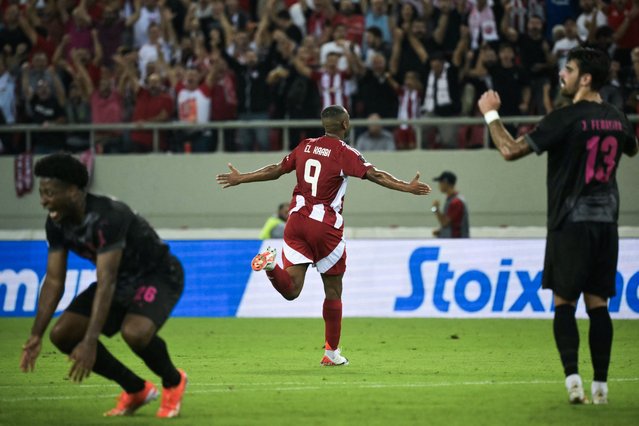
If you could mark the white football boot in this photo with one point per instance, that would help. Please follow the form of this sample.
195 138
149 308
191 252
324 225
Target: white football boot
265 261
599 392
575 389
333 358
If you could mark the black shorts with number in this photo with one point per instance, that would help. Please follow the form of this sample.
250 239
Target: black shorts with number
153 296
581 257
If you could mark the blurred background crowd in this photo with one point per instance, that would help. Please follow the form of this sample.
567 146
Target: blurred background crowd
199 61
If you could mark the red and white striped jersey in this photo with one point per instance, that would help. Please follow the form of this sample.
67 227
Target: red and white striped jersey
332 87
409 103
322 166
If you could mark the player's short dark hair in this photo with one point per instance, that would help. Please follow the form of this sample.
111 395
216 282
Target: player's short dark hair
592 61
63 166
333 112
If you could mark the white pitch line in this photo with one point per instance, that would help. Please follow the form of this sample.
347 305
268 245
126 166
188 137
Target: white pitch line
295 387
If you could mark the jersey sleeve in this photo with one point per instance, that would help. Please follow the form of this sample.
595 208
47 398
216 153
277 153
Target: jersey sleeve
353 163
288 162
110 231
550 131
55 236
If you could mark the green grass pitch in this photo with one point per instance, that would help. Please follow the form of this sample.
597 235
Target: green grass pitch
402 372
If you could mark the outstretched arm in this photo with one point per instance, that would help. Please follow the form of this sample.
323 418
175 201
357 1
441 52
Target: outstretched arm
387 180
270 172
50 295
509 147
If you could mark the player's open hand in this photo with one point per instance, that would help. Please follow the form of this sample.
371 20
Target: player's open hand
489 101
229 179
30 352
417 187
83 358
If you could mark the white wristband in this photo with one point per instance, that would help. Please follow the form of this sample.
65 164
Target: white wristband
491 116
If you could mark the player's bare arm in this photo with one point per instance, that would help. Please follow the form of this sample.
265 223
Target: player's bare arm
83 355
509 147
270 172
387 180
50 295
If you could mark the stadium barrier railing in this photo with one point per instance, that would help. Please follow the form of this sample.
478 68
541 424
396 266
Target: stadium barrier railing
285 125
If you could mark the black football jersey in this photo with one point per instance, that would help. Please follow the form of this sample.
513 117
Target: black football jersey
584 142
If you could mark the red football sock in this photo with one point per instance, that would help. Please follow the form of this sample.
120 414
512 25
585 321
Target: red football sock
281 280
332 313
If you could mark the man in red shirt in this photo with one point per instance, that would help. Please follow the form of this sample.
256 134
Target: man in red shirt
623 18
314 230
453 220
152 105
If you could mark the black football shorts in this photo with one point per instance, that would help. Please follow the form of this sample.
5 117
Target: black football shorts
153 296
581 257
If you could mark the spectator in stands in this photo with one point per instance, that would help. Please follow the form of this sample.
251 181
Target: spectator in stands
352 20
78 111
623 18
13 41
223 102
106 104
410 50
442 97
111 28
145 13
564 45
152 105
319 20
274 225
406 14
511 81
92 62
534 52
376 138
78 30
282 20
375 92
453 220
448 26
482 24
630 84
330 81
342 46
589 20
40 71
236 16
254 100
40 40
7 93
409 99
373 45
376 15
156 48
194 106
43 108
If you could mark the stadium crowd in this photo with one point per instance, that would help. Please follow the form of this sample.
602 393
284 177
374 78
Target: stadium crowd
144 61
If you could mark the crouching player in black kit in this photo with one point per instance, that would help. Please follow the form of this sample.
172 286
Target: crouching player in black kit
138 283
584 142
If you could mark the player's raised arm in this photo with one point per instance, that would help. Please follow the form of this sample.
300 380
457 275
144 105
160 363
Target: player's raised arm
387 180
234 177
50 295
509 147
